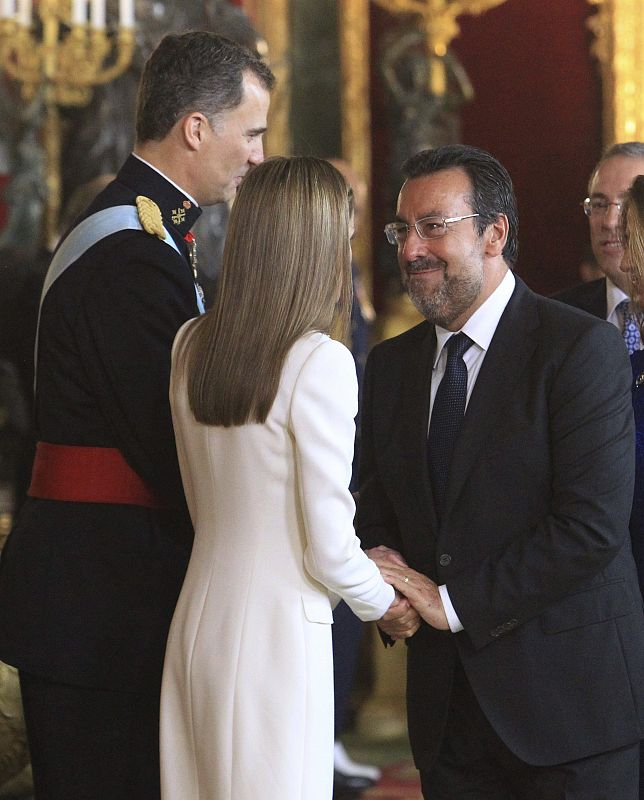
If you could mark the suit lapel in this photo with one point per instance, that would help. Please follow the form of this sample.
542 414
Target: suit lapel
503 367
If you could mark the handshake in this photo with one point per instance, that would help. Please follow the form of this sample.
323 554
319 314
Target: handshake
417 596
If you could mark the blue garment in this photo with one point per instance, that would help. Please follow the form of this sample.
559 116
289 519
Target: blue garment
630 326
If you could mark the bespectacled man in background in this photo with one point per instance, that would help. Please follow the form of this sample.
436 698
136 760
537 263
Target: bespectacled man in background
607 297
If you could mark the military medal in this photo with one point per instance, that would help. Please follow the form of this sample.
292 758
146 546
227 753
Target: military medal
190 240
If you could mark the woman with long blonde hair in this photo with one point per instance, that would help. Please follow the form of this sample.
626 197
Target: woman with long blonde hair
263 402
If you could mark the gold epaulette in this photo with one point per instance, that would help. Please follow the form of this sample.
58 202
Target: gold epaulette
150 216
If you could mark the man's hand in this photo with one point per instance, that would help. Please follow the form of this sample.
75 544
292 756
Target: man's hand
421 592
400 621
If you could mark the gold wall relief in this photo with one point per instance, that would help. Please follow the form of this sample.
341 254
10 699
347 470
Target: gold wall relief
353 27
618 27
272 19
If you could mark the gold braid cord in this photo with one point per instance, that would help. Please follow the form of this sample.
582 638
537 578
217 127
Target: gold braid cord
150 216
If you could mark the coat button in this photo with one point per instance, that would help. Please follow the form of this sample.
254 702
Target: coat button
445 560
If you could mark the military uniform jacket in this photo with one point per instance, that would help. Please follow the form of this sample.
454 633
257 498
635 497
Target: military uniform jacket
87 590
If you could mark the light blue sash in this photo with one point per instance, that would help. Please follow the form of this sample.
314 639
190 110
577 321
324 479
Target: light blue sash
85 235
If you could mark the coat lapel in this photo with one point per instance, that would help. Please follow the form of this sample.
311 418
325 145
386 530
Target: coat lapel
503 367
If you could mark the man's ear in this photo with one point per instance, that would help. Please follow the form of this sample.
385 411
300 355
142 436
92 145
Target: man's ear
496 236
193 128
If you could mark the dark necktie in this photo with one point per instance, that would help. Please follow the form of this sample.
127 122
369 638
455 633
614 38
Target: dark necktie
447 416
631 328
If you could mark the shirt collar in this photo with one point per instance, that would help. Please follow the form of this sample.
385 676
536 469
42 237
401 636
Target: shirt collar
614 296
169 180
482 325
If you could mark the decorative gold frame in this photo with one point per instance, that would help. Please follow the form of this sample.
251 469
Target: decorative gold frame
272 19
353 25
618 26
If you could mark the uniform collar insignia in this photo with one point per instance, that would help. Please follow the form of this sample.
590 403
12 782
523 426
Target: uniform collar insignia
179 214
178 211
182 211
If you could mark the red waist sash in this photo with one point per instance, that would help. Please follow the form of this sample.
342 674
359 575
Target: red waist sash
87 475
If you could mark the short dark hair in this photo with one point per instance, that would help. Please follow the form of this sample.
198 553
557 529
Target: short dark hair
194 71
492 192
626 149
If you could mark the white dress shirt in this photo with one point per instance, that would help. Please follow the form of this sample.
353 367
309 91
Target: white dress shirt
614 296
480 328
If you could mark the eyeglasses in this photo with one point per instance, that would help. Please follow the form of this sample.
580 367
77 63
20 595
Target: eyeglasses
598 207
426 228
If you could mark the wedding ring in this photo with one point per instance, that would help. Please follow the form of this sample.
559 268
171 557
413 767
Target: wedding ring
406 579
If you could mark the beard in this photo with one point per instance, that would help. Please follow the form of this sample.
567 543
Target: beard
442 304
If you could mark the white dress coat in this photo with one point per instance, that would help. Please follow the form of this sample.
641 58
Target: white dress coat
247 697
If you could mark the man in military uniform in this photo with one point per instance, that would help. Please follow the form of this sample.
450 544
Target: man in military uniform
92 569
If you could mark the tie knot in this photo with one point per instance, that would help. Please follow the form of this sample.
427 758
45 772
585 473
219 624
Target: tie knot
457 345
629 309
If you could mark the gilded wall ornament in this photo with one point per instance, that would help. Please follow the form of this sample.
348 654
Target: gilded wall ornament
618 28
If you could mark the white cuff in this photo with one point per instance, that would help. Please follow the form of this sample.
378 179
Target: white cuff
452 618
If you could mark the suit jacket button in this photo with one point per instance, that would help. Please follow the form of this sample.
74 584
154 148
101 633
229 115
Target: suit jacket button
445 560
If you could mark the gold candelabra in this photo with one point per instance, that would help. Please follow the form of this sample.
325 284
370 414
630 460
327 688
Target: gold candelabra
62 49
439 22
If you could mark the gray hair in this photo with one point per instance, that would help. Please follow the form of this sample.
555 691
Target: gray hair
625 149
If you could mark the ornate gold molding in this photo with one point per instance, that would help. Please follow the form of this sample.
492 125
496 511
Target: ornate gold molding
353 28
273 22
618 27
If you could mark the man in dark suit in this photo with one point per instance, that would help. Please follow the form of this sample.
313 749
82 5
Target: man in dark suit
91 572
607 297
505 526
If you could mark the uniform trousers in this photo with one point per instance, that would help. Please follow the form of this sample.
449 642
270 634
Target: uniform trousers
475 764
91 744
